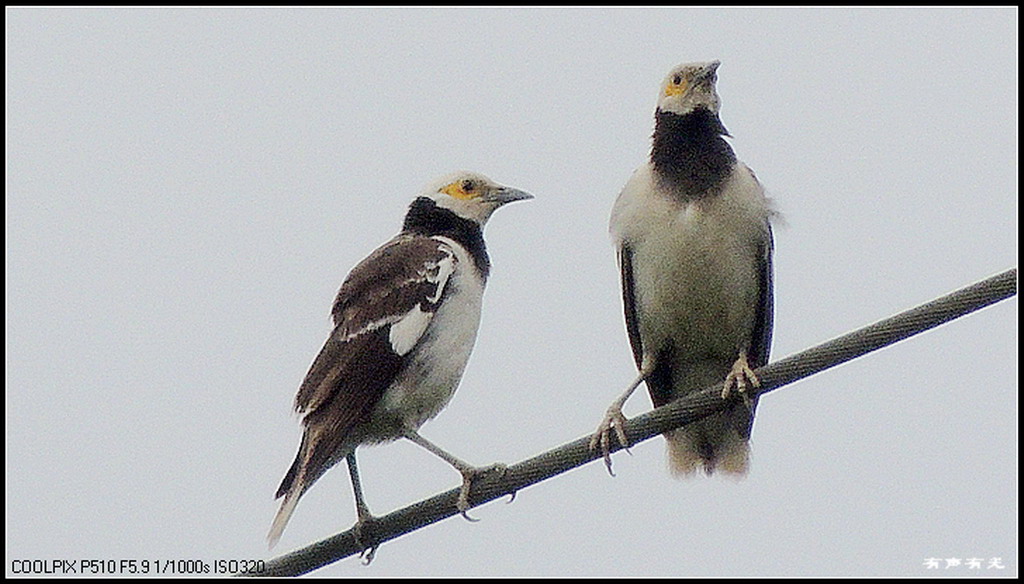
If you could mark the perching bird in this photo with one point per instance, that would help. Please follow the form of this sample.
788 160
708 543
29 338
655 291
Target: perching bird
695 254
405 321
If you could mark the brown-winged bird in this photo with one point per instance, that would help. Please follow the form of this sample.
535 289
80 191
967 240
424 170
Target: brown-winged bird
405 321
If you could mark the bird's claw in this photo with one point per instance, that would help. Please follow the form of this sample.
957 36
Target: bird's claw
368 551
739 377
468 476
613 419
366 556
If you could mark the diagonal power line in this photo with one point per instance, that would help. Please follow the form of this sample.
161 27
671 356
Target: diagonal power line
678 413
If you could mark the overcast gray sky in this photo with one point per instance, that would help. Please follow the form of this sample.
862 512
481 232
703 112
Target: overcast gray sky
187 188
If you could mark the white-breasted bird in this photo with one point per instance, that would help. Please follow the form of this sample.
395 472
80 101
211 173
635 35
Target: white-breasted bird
694 240
405 321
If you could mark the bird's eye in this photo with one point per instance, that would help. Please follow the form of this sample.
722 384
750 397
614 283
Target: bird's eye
468 186
677 80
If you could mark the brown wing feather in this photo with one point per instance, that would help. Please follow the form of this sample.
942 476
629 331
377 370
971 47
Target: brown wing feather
357 364
629 303
761 336
387 284
394 277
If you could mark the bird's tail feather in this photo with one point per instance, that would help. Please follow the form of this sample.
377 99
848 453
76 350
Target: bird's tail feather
284 513
711 445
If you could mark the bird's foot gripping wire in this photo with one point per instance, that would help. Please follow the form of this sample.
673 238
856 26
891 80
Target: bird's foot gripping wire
613 420
738 378
364 529
469 474
366 539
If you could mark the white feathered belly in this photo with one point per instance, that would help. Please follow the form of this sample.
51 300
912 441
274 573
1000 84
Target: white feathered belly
696 288
695 265
435 368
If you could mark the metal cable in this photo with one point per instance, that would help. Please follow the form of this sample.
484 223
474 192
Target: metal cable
673 415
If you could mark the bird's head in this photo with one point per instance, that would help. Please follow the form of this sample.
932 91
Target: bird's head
472 195
690 86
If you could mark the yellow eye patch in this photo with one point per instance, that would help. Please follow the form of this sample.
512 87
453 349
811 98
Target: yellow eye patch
676 86
462 189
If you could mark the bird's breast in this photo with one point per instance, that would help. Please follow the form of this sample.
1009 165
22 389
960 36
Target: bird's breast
694 266
435 365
